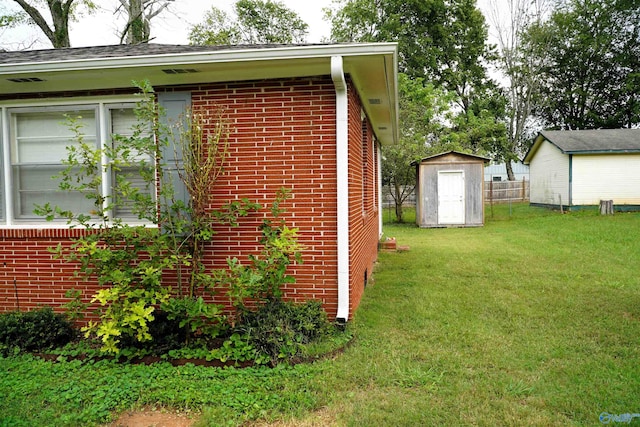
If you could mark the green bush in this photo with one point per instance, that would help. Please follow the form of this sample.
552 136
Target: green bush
166 334
278 329
36 330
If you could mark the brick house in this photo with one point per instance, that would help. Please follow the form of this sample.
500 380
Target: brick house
310 118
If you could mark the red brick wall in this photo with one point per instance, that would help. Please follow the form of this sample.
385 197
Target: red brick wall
363 213
30 275
282 135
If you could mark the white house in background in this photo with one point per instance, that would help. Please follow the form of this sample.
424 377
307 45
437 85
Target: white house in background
498 171
579 168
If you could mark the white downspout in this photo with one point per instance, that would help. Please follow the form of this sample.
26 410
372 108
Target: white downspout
342 166
379 183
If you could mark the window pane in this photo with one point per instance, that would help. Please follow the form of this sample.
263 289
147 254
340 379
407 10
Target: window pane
35 185
122 123
39 144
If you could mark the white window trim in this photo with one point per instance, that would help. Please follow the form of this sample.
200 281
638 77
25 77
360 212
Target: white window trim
101 103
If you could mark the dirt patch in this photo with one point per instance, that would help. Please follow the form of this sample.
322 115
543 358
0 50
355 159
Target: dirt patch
154 418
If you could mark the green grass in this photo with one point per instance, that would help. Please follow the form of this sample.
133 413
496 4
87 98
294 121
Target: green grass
533 319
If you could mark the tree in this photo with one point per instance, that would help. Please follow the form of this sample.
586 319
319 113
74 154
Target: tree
255 22
9 20
423 108
440 40
520 69
60 12
139 14
589 55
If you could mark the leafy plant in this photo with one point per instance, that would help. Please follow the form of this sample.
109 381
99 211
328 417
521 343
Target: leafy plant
75 307
238 348
35 330
262 279
129 260
278 329
196 316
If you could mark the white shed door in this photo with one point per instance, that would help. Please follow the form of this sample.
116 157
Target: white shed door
451 197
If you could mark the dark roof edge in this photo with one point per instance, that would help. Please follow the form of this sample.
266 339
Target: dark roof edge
416 162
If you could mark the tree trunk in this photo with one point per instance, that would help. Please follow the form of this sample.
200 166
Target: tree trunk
606 207
60 12
137 29
510 175
399 212
398 199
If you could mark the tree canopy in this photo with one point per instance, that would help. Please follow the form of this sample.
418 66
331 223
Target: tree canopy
255 22
589 55
443 41
447 100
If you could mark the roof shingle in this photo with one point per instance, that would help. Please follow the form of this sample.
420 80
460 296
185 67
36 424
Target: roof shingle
595 141
113 51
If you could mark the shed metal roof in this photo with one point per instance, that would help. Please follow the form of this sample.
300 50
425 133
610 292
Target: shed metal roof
597 141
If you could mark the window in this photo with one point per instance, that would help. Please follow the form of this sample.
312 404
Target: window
35 146
122 120
39 142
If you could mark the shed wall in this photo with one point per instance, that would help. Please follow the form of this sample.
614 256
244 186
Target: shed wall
606 177
549 176
427 213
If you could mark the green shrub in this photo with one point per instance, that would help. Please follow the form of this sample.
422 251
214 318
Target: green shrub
278 329
166 334
36 330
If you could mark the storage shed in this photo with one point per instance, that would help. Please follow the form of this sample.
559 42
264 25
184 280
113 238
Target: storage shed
577 169
450 190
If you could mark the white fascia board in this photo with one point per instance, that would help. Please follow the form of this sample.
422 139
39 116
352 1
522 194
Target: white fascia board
208 57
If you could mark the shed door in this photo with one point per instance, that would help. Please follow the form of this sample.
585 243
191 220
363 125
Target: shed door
450 197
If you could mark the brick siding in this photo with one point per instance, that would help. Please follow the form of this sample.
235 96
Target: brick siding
282 135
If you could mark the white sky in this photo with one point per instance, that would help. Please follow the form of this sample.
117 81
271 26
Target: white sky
171 27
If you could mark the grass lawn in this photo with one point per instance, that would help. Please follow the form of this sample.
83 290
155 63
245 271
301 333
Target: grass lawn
533 319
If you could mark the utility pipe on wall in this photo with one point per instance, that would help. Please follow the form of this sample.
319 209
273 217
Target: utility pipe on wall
342 166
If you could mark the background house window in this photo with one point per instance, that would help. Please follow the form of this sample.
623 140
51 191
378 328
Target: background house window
39 146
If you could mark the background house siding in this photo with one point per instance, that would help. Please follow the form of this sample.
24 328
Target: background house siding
549 176
606 177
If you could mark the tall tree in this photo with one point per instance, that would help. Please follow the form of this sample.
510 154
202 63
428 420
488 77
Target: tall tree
520 70
255 22
139 14
440 40
590 62
423 109
60 12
